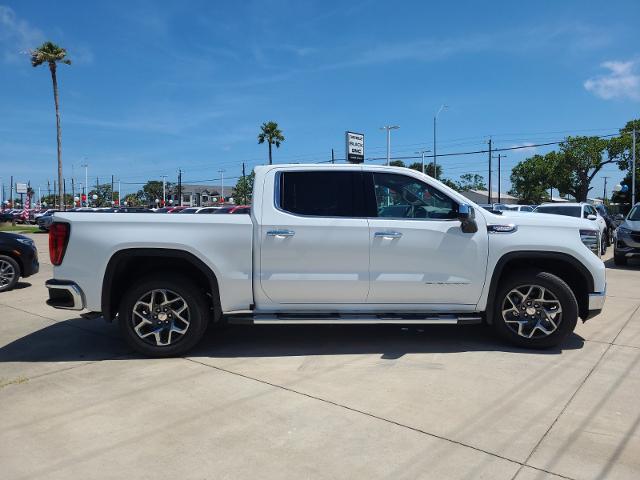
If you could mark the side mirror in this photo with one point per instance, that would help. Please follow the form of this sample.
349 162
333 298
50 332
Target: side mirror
467 218
591 217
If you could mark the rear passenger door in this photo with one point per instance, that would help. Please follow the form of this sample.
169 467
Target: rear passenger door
314 238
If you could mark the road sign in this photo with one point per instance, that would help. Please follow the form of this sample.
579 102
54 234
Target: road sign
355 147
21 188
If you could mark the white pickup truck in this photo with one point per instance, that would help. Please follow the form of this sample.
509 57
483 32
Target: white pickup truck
326 244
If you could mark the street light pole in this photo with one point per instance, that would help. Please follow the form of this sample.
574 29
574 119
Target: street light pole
86 182
388 128
422 152
221 172
164 190
435 156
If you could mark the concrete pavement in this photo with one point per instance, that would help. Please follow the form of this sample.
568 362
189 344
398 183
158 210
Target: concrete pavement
318 402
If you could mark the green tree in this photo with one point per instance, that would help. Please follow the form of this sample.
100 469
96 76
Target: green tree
576 164
471 181
52 200
51 54
152 190
132 200
244 189
531 179
270 133
620 149
103 192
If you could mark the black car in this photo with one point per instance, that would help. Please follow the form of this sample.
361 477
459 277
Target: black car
18 258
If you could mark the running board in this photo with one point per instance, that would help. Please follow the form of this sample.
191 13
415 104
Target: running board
356 319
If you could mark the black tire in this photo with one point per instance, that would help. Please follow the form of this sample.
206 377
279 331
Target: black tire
198 315
554 286
9 273
619 260
603 244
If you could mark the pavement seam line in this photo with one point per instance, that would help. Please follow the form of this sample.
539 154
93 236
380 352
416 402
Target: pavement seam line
58 322
371 415
575 393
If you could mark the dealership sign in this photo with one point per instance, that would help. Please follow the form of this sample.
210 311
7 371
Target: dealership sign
21 188
355 147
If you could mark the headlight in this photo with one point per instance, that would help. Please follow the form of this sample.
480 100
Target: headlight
26 241
591 239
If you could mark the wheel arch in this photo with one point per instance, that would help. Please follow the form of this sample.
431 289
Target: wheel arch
16 258
141 261
563 265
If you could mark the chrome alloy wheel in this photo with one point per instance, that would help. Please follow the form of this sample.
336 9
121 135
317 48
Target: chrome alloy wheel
7 273
532 311
160 317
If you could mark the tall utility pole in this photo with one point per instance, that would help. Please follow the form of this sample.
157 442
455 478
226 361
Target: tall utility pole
164 190
221 172
435 156
180 187
86 183
333 159
489 192
113 202
388 128
633 169
421 153
500 157
604 193
119 194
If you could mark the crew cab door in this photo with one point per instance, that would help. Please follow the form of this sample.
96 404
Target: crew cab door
314 239
419 254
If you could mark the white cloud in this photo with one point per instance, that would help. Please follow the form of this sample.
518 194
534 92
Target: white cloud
16 36
622 81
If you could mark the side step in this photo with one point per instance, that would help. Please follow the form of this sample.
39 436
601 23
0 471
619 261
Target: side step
356 319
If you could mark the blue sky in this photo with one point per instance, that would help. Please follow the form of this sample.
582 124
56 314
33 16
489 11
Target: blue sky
160 85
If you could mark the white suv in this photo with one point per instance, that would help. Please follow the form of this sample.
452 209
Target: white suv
579 210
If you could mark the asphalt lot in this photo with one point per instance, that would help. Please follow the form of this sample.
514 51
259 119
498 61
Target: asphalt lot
318 402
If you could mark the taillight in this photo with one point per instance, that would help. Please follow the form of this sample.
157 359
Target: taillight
58 239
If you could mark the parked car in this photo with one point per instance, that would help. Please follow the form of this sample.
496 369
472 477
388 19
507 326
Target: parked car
627 237
176 209
161 209
189 210
6 216
234 209
579 210
321 246
207 210
18 258
611 223
44 221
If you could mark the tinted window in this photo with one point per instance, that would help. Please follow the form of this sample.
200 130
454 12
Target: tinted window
559 210
526 209
322 193
634 214
399 196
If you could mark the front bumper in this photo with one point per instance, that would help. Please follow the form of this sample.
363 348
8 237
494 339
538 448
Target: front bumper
596 303
65 294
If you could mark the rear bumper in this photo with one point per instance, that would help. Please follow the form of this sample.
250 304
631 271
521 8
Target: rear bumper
65 294
596 303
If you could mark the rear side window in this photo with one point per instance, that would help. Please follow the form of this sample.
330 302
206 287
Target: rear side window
558 210
322 193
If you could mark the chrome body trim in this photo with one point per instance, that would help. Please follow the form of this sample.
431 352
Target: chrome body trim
74 290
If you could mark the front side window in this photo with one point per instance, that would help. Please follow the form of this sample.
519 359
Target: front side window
322 193
400 196
560 210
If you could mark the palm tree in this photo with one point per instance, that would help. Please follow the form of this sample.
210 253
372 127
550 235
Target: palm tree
270 133
51 54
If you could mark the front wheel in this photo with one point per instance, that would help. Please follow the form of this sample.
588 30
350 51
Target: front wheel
535 309
9 273
163 316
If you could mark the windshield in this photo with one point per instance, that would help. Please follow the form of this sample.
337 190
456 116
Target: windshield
634 214
573 211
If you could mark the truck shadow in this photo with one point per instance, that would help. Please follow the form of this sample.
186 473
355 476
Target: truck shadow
90 340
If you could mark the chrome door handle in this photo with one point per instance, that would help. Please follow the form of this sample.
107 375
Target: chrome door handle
281 233
387 234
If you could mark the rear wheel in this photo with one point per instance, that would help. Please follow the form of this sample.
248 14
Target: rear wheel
535 310
9 273
164 317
